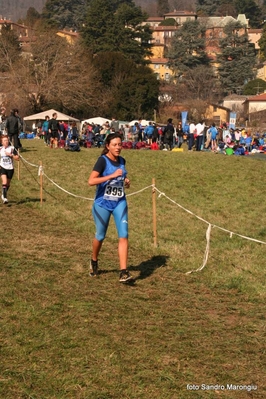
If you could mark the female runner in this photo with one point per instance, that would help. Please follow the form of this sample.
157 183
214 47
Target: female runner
7 154
110 176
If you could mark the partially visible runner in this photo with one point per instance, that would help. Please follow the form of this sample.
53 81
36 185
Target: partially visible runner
7 154
110 176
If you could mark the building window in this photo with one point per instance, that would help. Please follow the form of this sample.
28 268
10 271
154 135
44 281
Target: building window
167 76
156 66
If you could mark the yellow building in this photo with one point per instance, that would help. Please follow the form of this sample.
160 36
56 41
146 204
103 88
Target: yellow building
161 38
70 36
161 69
217 114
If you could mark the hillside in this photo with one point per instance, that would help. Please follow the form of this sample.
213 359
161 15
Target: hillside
15 9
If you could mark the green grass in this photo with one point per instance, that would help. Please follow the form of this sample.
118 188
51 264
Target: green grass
66 335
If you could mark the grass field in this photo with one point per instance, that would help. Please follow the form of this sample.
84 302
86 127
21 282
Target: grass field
65 335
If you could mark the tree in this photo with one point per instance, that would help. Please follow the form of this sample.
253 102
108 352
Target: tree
207 7
254 87
162 7
116 25
57 75
187 48
236 60
168 22
9 49
262 44
201 83
252 11
128 89
62 14
226 8
32 17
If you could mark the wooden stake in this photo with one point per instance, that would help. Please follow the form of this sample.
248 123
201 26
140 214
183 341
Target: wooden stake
41 183
18 166
154 214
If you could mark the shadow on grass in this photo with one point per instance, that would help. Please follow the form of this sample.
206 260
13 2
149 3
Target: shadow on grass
27 200
147 267
23 149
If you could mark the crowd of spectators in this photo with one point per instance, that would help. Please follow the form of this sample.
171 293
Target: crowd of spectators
168 137
196 136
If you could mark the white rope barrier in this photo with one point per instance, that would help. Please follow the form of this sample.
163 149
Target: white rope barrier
31 164
208 232
67 192
140 191
207 250
40 171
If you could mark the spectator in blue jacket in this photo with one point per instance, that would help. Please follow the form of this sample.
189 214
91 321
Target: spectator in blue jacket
148 132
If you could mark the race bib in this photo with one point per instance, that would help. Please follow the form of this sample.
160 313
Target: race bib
114 191
6 161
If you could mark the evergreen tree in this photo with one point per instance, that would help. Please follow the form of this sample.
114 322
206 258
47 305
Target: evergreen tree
62 14
226 8
188 47
32 17
256 86
129 89
252 11
162 7
207 7
262 44
236 60
115 25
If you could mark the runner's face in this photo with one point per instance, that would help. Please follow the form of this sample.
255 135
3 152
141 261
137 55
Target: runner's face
115 147
5 142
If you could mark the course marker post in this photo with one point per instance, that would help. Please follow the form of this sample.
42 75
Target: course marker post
18 166
154 213
41 182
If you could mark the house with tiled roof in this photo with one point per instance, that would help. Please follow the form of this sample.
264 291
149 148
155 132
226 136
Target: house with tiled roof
254 36
255 103
153 22
70 36
161 68
24 33
235 102
215 31
161 39
181 16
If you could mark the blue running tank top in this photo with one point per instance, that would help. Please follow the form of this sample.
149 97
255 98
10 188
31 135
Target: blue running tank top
110 193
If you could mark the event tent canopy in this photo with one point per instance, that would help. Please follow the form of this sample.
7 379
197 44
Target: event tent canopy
42 115
144 122
97 120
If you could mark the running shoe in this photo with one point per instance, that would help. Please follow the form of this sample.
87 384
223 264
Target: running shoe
125 276
94 268
5 200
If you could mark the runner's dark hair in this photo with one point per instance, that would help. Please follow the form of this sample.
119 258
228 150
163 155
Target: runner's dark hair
108 139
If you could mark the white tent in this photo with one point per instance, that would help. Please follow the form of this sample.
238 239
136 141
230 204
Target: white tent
50 112
144 122
97 120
